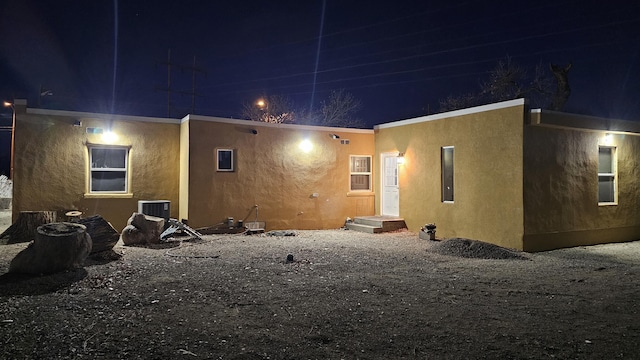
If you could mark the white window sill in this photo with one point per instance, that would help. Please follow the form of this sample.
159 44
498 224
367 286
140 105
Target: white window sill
108 196
360 193
607 203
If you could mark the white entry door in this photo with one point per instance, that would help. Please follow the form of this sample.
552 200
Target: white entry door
390 190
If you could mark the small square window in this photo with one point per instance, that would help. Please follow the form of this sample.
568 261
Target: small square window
224 160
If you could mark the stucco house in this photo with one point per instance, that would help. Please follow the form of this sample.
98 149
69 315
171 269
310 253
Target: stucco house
524 179
501 173
207 168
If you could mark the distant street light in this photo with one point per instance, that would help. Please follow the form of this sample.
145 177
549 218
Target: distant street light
264 106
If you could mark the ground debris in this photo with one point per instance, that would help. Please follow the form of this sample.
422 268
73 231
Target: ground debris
468 248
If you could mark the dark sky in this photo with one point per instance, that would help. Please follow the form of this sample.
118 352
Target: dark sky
399 58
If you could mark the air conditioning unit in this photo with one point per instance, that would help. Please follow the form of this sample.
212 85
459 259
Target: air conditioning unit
158 208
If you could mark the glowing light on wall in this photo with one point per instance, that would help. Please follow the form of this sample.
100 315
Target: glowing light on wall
400 158
305 145
109 137
607 139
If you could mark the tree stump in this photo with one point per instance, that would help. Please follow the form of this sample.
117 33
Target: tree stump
142 229
103 236
57 247
26 225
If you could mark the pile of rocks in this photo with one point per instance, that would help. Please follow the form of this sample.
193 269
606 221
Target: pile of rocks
475 249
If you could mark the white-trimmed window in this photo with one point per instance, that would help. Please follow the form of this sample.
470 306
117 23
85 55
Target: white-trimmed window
224 160
607 176
108 169
360 171
447 174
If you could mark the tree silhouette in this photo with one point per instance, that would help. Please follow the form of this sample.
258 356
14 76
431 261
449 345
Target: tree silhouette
508 80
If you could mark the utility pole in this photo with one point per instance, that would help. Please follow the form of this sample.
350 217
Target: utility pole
193 93
194 70
168 88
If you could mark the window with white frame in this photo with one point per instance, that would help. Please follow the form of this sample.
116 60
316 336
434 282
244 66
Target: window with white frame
447 174
224 160
360 170
108 169
607 177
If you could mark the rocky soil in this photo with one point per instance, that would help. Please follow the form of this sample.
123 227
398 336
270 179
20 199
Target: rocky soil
345 295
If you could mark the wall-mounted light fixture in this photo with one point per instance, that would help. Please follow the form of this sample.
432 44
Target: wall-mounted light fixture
109 137
77 123
305 145
335 136
607 139
254 131
400 158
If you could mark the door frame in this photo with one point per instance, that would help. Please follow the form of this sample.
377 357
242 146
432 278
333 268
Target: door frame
383 171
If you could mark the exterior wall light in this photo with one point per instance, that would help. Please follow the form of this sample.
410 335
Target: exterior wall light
109 137
305 145
400 158
607 139
335 136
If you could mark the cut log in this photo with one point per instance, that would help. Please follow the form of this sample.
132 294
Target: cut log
142 229
103 235
26 225
57 247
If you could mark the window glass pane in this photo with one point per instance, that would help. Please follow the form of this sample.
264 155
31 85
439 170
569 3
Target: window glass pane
114 181
108 158
360 164
360 167
360 182
447 174
225 160
606 189
605 160
391 171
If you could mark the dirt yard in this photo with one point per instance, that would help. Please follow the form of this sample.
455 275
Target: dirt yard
345 295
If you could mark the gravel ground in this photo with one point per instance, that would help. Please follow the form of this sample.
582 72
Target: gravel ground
345 295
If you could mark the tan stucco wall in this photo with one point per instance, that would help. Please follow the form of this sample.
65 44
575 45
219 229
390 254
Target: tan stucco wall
184 171
487 173
561 183
51 164
273 173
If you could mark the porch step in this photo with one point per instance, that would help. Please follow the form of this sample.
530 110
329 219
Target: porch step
376 224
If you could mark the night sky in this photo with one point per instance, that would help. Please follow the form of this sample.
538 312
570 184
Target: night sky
399 58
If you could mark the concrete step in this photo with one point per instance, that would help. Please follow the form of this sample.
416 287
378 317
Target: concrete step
364 228
377 224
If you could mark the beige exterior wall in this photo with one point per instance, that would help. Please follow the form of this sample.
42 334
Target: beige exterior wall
561 182
184 171
272 172
51 169
521 181
488 172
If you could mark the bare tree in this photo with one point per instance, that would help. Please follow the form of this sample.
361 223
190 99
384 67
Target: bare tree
506 81
459 102
340 110
272 109
509 80
563 89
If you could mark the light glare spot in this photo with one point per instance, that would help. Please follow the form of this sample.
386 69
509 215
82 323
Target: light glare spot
306 145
